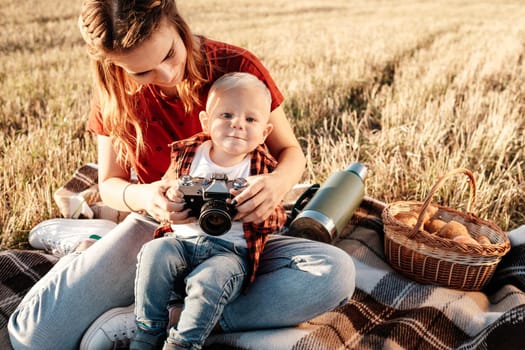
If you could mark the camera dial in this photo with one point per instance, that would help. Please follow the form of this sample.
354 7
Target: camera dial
239 183
186 180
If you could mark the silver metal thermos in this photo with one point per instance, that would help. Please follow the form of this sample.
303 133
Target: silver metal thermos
332 206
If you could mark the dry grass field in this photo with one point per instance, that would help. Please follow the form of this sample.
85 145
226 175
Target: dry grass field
412 89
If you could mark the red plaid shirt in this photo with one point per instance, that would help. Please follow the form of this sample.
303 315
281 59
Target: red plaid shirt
256 235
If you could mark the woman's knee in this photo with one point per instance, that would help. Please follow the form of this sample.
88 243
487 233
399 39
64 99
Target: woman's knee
343 272
331 269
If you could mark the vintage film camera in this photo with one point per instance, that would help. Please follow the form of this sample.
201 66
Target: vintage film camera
207 199
332 206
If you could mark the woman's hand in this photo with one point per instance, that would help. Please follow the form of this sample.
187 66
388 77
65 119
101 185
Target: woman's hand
259 199
117 192
164 202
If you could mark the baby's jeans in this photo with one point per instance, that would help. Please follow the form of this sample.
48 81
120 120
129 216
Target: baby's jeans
205 271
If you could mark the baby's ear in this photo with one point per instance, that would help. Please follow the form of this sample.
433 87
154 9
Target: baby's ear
267 130
204 119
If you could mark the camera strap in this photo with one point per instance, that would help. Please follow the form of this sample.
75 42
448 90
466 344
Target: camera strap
301 202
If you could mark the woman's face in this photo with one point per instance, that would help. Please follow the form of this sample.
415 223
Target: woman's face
160 60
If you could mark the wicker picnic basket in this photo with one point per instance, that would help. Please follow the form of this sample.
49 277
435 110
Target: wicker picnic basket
430 259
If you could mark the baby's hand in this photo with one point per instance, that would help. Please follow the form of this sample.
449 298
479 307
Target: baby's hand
173 194
164 202
178 213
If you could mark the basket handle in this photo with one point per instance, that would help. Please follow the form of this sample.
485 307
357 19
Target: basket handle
428 200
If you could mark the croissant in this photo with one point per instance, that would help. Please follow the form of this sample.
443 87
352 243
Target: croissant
407 218
452 229
429 213
434 225
483 240
465 239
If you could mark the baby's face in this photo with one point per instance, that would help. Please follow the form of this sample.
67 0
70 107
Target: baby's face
238 120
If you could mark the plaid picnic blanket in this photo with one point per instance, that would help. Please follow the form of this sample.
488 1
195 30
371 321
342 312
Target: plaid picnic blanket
387 311
19 271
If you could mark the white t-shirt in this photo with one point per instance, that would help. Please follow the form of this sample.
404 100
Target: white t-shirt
203 166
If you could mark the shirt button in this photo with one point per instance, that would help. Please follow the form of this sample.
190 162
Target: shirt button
158 148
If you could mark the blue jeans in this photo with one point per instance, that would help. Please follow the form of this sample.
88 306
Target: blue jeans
206 272
298 279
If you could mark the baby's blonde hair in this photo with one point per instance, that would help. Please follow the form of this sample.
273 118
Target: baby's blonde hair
239 79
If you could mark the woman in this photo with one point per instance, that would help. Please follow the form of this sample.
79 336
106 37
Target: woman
152 76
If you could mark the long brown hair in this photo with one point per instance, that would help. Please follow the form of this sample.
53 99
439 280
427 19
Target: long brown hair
113 26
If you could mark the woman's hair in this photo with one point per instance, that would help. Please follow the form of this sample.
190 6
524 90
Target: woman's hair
240 79
119 26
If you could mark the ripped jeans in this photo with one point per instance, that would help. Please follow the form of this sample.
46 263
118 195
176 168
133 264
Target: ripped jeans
297 280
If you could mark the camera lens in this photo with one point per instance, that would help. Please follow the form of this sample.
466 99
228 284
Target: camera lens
214 218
